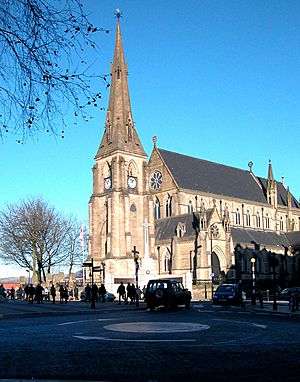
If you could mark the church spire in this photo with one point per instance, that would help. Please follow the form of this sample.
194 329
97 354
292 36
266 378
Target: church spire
270 171
119 134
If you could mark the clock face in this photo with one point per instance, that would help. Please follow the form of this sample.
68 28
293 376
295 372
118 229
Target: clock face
107 183
156 180
131 182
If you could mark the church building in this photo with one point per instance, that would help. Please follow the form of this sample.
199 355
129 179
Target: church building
176 216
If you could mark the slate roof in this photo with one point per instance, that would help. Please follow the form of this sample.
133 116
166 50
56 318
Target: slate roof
246 236
294 238
281 193
166 230
210 177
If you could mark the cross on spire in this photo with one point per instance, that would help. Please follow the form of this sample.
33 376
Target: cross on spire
118 13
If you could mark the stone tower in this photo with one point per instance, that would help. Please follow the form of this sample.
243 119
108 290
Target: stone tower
120 208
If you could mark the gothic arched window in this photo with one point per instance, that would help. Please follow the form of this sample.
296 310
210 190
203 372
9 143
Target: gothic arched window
169 206
156 209
281 223
238 217
248 218
258 219
267 221
190 207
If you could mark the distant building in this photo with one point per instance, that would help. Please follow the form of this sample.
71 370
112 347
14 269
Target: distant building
188 218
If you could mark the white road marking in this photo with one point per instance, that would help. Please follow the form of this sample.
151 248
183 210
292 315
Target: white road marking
242 322
76 322
86 338
157 327
260 326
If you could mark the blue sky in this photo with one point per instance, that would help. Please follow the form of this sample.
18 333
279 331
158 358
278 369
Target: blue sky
218 80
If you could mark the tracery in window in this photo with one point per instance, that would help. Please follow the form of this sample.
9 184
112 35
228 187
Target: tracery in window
281 223
190 207
156 209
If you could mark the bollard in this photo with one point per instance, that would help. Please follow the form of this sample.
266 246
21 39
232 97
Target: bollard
274 302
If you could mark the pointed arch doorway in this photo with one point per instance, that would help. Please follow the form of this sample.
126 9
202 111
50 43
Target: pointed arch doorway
215 267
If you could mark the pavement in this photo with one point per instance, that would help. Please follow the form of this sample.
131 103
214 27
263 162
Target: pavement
21 308
281 308
17 308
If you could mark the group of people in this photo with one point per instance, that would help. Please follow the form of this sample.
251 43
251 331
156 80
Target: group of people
130 292
94 293
39 293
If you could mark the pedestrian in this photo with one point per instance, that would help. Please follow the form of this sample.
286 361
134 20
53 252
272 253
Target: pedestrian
31 292
133 293
12 293
66 294
46 294
239 292
129 293
53 293
39 294
94 292
71 294
102 292
138 293
61 294
122 293
88 291
20 294
2 291
75 291
260 298
26 291
144 291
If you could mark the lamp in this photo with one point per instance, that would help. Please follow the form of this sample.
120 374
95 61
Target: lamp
253 299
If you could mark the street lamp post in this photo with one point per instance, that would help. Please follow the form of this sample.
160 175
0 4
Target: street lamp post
136 261
253 299
28 270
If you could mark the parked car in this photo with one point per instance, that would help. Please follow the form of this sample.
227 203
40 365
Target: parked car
226 294
109 297
285 295
167 293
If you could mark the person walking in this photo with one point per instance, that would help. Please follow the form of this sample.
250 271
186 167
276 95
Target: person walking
239 291
75 292
39 294
53 293
94 292
12 293
61 294
102 292
88 291
31 291
122 293
66 294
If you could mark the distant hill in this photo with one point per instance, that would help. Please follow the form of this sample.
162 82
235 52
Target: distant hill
9 280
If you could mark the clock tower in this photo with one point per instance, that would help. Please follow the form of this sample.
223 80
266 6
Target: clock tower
121 203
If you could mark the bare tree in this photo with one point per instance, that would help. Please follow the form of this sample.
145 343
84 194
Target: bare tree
34 236
76 244
42 66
